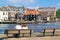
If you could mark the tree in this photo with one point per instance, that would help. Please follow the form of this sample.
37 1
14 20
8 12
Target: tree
30 17
58 13
25 17
52 18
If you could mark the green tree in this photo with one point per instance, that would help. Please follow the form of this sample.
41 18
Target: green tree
52 18
58 13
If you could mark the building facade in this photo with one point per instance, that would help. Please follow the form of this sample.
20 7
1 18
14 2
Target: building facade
12 11
11 15
48 13
3 15
32 14
22 13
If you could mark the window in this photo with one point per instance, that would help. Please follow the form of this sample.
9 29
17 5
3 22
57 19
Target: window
3 13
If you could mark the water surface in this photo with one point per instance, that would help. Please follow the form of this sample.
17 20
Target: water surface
35 27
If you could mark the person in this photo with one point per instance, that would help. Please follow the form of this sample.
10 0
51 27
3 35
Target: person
18 26
24 26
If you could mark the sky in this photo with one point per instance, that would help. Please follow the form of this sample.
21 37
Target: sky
31 3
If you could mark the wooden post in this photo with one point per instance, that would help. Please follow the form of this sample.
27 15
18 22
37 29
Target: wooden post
23 34
7 33
18 33
53 32
30 33
44 33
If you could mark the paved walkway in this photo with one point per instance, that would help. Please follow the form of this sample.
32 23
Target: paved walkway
31 38
36 38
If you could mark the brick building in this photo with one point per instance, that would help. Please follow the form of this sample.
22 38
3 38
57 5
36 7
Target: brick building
48 13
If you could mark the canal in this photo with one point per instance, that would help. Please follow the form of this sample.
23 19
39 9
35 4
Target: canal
36 27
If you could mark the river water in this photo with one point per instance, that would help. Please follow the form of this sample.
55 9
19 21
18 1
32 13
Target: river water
35 27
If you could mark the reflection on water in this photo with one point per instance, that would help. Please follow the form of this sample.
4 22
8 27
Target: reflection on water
35 27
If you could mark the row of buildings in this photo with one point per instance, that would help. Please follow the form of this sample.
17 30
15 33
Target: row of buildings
13 13
9 12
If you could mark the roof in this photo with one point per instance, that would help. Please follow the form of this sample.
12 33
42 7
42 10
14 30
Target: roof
31 11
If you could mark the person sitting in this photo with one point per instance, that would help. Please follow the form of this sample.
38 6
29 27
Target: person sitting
18 26
24 26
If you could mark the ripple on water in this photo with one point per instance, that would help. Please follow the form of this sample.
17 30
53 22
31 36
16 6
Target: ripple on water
35 27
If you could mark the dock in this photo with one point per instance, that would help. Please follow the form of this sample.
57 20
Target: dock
15 22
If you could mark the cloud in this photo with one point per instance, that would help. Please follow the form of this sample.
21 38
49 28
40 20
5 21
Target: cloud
58 4
26 2
36 7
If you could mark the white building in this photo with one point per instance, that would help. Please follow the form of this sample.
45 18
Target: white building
3 15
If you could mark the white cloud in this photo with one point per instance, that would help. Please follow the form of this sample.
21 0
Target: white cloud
12 1
58 4
21 1
27 1
36 7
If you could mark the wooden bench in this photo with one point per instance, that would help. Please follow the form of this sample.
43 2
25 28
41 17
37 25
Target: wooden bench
48 31
10 32
16 31
51 31
57 31
25 31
